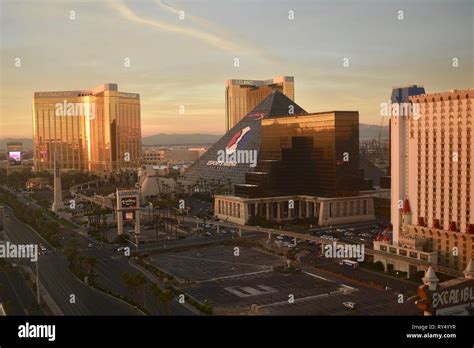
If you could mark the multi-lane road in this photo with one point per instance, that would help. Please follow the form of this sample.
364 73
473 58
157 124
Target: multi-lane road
71 295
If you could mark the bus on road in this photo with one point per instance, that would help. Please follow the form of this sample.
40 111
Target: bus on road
349 264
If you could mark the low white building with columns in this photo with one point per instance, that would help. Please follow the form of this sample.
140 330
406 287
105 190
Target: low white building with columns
325 211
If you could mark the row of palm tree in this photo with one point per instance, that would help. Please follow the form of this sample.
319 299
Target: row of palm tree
162 297
136 286
78 261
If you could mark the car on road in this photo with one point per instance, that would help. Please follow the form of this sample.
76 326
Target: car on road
120 249
90 245
208 234
42 247
350 305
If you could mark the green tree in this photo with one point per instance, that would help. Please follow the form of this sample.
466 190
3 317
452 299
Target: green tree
72 252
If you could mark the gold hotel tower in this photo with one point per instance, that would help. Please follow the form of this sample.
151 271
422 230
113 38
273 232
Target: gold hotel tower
94 130
241 96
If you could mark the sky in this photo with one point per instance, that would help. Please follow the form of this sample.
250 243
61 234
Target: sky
186 61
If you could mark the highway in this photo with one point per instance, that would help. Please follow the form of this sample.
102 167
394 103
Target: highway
59 282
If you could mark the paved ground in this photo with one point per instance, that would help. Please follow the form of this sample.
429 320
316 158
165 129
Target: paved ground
60 282
17 293
369 302
236 283
397 285
205 263
261 289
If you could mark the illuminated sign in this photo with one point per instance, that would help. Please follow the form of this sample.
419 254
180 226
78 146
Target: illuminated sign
14 158
123 193
57 94
245 82
128 215
129 202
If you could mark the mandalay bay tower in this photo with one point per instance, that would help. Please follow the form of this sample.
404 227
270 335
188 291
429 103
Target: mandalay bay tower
94 130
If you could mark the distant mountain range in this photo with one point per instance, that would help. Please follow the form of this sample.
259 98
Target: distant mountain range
371 131
366 131
180 139
27 143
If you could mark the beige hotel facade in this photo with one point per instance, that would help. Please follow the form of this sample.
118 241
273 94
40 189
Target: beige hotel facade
95 130
437 180
241 96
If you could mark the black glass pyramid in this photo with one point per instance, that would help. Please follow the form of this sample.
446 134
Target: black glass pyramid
210 170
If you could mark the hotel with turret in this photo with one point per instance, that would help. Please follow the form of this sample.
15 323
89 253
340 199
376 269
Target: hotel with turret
432 197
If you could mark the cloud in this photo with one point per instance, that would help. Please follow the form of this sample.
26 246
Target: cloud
199 20
211 39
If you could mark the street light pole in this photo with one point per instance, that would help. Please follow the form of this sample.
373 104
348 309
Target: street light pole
37 281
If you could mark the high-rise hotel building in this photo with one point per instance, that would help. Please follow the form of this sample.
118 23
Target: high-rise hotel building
241 96
436 178
95 130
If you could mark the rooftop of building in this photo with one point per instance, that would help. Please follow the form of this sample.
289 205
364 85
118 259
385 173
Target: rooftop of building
84 93
462 93
257 83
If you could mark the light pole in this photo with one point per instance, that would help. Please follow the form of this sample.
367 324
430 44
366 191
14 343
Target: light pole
37 280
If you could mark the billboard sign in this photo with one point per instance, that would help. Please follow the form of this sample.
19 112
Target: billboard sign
128 200
455 299
128 215
14 158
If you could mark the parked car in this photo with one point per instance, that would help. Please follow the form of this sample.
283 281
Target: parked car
350 305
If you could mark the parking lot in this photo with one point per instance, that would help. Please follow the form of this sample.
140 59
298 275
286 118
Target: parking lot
200 264
355 234
263 289
232 284
368 302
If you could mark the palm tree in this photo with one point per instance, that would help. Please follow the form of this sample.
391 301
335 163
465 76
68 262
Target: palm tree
91 261
127 279
140 281
162 298
81 261
72 252
166 297
156 292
